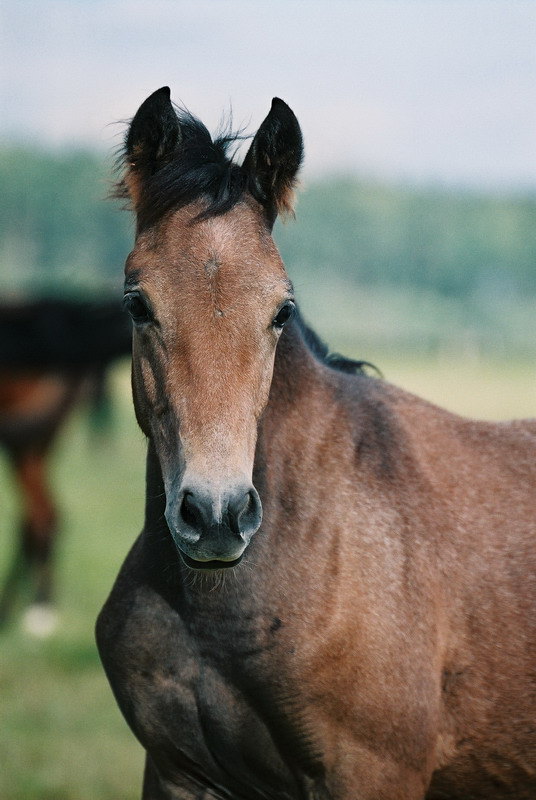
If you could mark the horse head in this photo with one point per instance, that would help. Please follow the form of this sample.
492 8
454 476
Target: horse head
209 296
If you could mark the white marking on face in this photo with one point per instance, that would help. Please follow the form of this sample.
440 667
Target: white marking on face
212 266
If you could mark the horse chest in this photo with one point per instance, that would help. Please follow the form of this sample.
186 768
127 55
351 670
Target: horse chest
205 701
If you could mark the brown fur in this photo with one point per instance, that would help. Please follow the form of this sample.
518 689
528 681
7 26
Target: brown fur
223 302
378 640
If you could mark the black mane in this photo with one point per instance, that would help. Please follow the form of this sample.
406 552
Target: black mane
198 168
334 360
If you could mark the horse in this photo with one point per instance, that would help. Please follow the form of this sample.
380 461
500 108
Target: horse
53 353
333 594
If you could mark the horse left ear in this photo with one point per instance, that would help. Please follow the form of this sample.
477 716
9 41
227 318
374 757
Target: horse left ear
273 160
152 138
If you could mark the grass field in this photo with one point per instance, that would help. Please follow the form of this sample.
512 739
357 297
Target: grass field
61 736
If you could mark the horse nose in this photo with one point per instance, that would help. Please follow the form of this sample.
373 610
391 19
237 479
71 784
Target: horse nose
219 523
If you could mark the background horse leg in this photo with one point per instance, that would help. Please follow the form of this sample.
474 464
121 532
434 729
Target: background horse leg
32 410
38 536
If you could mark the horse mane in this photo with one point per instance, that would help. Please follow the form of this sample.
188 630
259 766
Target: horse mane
334 360
198 167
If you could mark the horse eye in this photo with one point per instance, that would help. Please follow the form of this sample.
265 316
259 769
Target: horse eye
136 306
284 314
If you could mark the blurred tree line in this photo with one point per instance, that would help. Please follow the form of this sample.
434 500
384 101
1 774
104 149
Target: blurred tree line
57 233
385 265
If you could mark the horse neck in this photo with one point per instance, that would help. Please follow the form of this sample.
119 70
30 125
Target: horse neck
300 389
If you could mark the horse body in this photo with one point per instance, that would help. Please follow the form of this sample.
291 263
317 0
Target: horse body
377 640
358 652
52 354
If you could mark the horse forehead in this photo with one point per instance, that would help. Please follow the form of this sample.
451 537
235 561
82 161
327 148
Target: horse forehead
230 239
228 253
224 267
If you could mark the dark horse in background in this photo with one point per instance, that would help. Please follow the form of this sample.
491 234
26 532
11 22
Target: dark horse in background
334 592
53 352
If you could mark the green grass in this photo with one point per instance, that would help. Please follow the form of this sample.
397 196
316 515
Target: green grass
61 735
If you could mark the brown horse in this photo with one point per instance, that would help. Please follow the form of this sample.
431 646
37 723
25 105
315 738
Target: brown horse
333 595
52 354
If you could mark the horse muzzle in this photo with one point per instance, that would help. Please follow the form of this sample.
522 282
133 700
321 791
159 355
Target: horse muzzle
211 529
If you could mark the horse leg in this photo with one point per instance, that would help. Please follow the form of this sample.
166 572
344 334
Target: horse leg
152 785
156 788
38 535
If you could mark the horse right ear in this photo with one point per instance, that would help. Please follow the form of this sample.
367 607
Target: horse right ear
152 138
273 160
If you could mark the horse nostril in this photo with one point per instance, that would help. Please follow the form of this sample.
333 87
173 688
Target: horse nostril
190 512
235 511
245 513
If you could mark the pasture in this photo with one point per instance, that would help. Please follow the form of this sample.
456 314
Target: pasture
61 735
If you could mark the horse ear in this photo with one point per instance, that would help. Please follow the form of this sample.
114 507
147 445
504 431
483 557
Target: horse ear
273 160
151 140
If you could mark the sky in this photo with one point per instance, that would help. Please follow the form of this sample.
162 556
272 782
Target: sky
435 91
